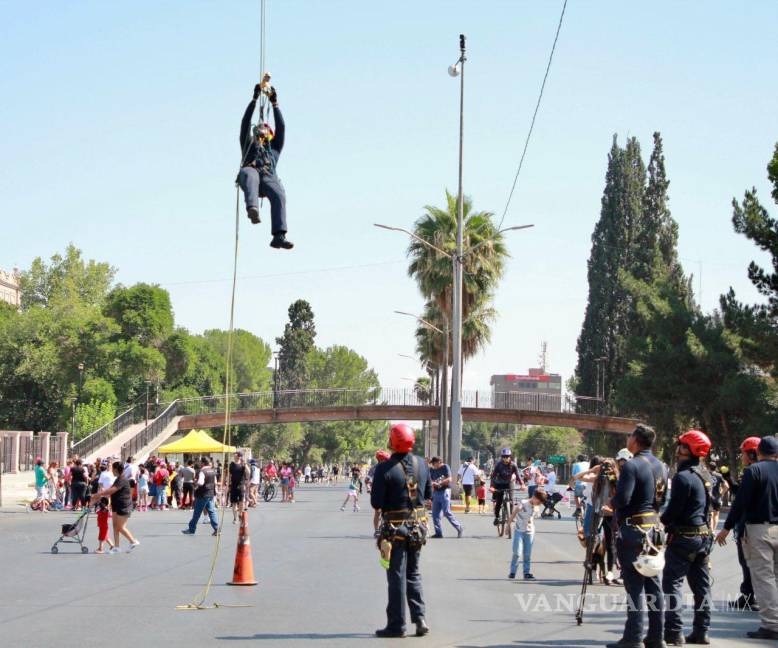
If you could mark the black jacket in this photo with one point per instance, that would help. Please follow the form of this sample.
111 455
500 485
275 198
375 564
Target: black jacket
687 498
265 157
636 488
757 496
390 491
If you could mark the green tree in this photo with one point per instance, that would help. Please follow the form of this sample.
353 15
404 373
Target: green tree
487 437
143 312
250 358
757 325
540 442
295 345
67 279
614 243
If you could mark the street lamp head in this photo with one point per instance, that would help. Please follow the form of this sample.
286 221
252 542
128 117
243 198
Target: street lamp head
80 366
453 70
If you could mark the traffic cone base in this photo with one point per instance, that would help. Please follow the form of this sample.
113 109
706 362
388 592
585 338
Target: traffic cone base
243 573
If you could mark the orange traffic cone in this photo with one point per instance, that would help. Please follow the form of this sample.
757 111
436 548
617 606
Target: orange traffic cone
243 574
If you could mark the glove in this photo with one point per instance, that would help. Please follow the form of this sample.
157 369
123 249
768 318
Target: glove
257 91
272 95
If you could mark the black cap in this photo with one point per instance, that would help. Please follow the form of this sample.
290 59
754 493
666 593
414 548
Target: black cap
768 446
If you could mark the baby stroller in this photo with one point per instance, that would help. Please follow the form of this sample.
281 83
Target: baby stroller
74 533
549 508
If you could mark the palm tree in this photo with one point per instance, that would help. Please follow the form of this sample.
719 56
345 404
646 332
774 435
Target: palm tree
482 270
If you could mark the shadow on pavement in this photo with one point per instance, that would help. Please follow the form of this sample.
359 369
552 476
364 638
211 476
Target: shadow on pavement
298 635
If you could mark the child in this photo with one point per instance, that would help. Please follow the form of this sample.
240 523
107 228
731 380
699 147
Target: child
352 493
480 493
524 532
103 515
143 489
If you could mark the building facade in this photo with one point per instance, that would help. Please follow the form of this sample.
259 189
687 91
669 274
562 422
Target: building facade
10 292
537 391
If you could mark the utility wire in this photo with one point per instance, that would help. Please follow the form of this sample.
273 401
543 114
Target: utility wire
534 115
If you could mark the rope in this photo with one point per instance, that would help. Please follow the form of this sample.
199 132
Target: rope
199 600
534 115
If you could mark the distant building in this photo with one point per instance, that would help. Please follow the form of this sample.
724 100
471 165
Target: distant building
536 391
9 288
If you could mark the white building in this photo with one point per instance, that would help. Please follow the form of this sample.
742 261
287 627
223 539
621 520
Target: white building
9 288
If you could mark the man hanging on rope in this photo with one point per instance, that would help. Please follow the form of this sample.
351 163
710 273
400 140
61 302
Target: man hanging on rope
260 149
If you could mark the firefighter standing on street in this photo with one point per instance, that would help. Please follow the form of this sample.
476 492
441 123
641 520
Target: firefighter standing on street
401 487
689 540
757 499
746 600
639 495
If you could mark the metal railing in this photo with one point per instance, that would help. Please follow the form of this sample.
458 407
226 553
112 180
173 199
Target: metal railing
29 448
285 399
151 431
102 435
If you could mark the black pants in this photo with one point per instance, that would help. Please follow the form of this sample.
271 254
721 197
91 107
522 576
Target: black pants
609 539
499 494
643 592
746 587
687 557
404 580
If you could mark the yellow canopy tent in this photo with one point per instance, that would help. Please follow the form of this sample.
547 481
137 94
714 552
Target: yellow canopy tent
196 442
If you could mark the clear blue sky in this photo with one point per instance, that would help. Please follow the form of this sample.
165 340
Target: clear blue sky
120 125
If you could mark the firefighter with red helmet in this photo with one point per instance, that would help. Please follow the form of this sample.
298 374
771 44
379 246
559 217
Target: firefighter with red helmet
401 488
689 540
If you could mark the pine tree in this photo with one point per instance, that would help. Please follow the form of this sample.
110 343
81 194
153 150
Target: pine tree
295 345
615 240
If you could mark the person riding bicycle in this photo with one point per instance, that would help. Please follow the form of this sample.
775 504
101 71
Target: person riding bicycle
502 480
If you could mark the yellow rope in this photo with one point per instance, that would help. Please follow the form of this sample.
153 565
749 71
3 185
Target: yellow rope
199 600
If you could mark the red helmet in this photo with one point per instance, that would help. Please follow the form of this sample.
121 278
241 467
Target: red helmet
402 437
697 442
750 444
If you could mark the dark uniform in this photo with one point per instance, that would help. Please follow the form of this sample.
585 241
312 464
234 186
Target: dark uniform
757 502
390 494
747 599
637 507
689 543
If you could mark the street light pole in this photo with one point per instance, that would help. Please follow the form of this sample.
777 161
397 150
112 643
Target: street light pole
148 384
456 375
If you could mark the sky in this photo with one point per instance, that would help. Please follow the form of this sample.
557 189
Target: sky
120 135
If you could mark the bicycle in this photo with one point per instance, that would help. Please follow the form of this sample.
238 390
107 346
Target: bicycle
269 490
504 514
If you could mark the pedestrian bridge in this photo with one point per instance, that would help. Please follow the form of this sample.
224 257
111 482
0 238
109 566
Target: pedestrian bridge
381 404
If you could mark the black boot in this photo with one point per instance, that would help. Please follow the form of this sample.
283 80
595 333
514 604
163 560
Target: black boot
421 627
762 633
279 242
253 214
698 637
390 633
674 639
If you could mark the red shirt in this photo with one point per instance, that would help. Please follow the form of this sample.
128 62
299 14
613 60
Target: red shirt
480 492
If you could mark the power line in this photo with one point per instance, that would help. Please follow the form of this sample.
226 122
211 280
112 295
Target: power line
286 274
534 114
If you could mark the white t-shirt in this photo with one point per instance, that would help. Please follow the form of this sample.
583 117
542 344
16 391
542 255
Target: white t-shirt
467 472
106 479
254 475
130 471
525 517
551 477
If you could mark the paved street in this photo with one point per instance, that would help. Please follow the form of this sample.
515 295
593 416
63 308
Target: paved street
320 584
